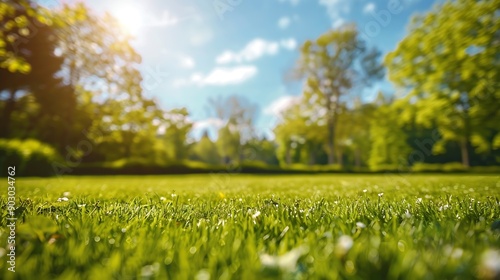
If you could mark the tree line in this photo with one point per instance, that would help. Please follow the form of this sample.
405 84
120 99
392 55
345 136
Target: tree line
68 74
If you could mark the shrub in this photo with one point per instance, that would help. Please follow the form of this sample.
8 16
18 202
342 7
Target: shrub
427 167
438 167
454 167
389 168
485 169
30 157
10 155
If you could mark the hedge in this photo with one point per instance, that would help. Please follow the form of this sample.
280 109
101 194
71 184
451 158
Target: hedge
30 157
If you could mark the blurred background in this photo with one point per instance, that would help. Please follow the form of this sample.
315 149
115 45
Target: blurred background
147 87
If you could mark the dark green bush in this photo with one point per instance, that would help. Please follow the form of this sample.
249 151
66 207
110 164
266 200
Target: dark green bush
30 157
454 167
438 167
427 167
10 155
389 168
485 169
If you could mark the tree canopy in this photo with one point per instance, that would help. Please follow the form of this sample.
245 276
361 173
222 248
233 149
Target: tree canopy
70 78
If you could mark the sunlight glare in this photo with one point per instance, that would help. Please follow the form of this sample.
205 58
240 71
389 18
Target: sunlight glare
129 17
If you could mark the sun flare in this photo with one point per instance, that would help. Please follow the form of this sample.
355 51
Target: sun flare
129 17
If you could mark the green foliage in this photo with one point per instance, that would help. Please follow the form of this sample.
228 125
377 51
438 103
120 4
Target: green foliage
17 18
389 141
30 157
427 167
255 227
317 168
453 167
333 65
384 167
229 144
437 167
28 70
102 66
301 133
450 62
237 115
260 150
205 150
176 134
485 169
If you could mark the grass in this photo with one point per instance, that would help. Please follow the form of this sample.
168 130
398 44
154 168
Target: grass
224 226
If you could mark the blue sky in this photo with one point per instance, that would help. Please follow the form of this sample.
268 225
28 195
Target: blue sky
193 50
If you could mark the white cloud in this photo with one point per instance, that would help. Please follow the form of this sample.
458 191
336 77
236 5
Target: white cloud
284 22
166 19
254 50
289 44
369 8
292 2
336 9
186 62
211 125
220 76
278 106
201 36
207 123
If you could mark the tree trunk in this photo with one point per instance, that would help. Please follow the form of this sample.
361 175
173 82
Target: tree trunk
465 153
340 157
332 118
10 106
312 157
464 144
357 158
331 130
331 142
288 155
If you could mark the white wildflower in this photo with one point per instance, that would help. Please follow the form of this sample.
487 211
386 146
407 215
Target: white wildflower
256 214
149 271
345 243
407 214
490 264
202 275
286 262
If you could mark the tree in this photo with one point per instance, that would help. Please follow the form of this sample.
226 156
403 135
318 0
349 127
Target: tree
205 150
229 144
361 116
98 55
332 65
260 150
302 126
102 66
20 20
28 64
389 146
238 115
449 64
176 133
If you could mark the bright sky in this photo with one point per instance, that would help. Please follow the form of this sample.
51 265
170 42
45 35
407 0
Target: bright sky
193 50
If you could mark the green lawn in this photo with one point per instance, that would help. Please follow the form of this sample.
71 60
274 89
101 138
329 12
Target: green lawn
224 226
